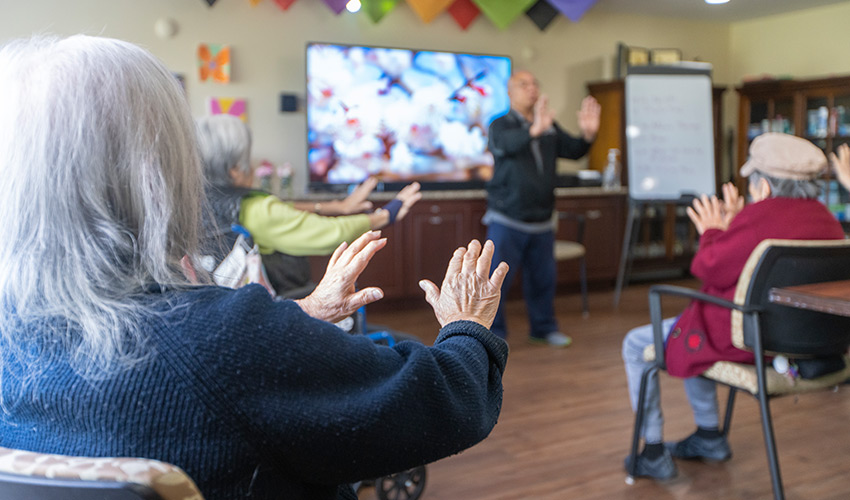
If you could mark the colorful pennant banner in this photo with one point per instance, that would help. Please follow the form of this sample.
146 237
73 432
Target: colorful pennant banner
336 5
284 4
503 12
377 9
573 9
427 10
464 12
542 14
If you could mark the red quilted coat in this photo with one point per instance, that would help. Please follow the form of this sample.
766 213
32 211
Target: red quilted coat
702 335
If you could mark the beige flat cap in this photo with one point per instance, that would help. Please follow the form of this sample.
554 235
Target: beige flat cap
785 157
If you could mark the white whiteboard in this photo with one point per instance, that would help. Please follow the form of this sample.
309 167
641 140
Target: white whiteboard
669 136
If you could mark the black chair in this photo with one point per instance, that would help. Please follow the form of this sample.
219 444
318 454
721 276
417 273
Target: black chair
767 328
575 249
25 475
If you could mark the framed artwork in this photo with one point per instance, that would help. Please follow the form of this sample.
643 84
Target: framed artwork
665 56
638 56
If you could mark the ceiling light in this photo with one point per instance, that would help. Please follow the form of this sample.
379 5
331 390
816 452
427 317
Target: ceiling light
354 6
716 1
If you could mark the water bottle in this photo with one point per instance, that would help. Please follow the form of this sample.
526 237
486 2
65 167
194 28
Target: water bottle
611 174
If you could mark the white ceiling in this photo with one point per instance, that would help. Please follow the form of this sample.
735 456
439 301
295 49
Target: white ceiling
735 10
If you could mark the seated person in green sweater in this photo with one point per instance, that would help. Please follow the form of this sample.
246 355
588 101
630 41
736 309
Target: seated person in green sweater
109 349
282 230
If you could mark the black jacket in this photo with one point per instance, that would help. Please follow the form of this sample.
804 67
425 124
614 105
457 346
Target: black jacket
518 188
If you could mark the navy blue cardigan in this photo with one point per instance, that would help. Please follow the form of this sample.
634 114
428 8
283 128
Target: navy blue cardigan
253 397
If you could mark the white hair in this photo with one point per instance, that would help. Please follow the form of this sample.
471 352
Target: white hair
225 143
102 195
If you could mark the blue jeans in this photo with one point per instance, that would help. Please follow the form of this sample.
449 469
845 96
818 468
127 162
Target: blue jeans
702 393
534 254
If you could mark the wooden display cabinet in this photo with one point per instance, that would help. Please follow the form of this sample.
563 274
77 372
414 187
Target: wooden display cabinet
816 109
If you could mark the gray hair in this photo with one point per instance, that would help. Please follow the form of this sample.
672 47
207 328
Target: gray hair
789 188
102 195
224 142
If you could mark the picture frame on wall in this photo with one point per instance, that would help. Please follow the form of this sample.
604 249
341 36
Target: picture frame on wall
630 56
638 56
665 56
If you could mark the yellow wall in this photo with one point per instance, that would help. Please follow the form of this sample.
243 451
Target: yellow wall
268 48
809 43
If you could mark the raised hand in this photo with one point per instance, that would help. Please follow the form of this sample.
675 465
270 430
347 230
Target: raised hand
408 197
733 202
588 118
707 213
841 164
335 297
543 116
468 292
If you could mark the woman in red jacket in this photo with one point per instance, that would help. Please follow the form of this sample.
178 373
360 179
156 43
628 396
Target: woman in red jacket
782 171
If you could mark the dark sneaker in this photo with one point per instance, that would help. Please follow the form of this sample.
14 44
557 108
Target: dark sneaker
710 449
661 467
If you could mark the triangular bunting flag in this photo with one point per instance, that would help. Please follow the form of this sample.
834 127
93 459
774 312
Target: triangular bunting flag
573 9
377 9
463 12
254 2
210 2
427 10
542 13
336 5
284 4
503 12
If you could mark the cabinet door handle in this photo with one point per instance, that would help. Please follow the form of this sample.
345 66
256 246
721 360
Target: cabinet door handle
435 220
593 214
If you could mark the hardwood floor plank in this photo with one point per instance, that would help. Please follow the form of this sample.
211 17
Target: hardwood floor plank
566 423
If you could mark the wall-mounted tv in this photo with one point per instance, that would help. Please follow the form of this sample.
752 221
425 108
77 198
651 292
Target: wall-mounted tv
401 115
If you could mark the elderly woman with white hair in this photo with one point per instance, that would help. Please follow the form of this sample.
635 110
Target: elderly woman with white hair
283 231
107 348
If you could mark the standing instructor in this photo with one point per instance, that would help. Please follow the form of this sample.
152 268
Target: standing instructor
520 216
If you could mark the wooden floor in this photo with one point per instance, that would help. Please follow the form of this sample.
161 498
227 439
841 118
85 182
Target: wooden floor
566 424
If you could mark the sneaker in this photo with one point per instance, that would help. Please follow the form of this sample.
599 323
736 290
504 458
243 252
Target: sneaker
554 339
709 449
661 467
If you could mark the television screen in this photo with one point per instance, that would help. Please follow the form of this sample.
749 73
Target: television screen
401 115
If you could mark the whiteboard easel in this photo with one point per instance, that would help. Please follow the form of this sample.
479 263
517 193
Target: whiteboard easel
670 143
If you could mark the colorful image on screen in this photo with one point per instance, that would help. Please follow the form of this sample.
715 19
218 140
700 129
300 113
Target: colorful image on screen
401 115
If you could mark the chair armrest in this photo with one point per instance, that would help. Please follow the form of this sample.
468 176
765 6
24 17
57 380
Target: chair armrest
655 293
580 220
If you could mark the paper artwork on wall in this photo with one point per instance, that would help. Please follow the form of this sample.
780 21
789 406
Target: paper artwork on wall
229 106
463 12
427 10
284 4
214 62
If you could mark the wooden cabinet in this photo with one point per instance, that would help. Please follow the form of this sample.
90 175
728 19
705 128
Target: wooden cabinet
421 245
818 110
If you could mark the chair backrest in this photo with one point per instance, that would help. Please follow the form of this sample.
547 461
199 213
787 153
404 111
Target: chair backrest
789 330
26 475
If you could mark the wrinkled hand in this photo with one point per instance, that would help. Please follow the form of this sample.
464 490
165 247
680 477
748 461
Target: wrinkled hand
588 118
335 297
468 291
841 164
707 213
408 196
733 202
356 202
543 117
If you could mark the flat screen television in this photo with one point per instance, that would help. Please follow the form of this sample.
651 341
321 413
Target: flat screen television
401 115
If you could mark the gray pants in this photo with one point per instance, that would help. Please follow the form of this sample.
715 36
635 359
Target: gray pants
702 393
